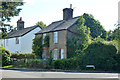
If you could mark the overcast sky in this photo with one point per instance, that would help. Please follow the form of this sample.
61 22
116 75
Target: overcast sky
106 11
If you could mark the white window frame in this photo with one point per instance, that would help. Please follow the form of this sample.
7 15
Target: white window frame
62 53
55 38
55 54
43 38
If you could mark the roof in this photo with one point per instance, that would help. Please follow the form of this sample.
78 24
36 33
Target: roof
18 33
59 25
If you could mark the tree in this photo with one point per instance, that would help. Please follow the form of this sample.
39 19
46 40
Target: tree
80 42
37 46
9 10
96 28
41 24
101 55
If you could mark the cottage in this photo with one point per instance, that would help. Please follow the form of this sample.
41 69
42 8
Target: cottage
59 32
20 40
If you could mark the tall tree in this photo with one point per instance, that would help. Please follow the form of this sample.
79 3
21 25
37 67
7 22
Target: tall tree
95 27
8 10
41 24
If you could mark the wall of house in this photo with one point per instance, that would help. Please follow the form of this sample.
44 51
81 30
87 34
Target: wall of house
61 42
26 41
10 44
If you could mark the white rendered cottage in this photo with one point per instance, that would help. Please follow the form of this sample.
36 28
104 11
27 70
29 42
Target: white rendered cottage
20 40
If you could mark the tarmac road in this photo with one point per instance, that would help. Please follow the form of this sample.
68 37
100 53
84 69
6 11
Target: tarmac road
58 75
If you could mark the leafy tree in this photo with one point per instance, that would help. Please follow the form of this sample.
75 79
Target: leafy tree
9 10
41 24
46 41
96 28
101 55
37 46
78 44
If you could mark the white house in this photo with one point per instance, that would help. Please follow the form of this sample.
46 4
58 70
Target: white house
20 40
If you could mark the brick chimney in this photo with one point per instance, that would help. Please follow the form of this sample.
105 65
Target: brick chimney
68 13
20 24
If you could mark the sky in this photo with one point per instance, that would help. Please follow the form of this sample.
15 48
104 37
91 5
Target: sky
48 11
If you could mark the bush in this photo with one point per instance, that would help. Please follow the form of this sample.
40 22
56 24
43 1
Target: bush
35 64
5 57
101 55
67 64
23 55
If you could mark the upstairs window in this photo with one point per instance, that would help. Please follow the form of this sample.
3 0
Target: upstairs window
17 40
55 37
43 38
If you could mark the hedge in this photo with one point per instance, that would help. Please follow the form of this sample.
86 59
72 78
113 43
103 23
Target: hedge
23 55
35 63
67 64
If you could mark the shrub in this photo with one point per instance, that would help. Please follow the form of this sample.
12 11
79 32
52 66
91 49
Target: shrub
5 57
23 55
67 64
35 64
101 55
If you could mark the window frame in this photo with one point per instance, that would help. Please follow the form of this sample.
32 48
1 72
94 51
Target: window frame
55 37
17 40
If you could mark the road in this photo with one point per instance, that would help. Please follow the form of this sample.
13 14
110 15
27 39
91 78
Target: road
38 74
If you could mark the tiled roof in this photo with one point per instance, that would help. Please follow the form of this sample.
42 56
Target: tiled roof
18 33
59 25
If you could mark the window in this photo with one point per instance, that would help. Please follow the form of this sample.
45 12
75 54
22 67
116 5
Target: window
17 40
55 37
55 54
43 38
62 53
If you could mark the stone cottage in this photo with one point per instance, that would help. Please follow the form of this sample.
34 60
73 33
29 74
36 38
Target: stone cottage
59 32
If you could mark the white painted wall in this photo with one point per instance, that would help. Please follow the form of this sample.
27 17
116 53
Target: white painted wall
10 44
25 42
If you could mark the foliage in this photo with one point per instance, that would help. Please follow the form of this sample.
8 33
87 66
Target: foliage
114 35
49 61
96 28
5 57
9 10
100 55
67 64
41 24
23 55
80 41
37 46
46 41
35 64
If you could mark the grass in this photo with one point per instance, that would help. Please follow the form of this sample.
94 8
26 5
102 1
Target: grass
8 66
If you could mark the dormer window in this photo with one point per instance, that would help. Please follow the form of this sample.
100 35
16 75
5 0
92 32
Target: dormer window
17 40
55 37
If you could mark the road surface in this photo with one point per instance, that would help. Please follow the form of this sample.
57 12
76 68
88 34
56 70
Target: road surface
38 74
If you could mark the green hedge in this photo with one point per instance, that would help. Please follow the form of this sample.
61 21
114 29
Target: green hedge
67 64
103 56
23 55
35 64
